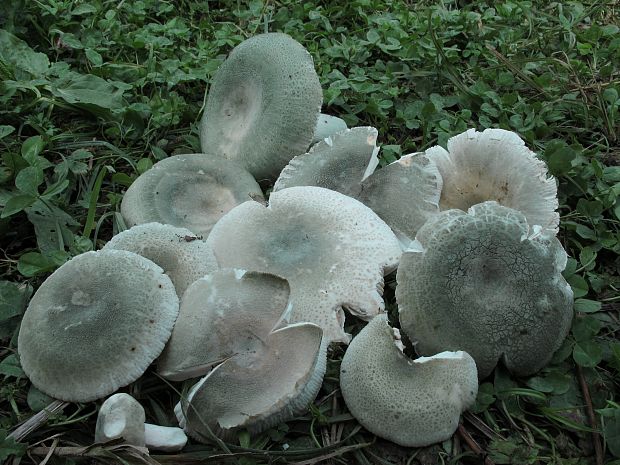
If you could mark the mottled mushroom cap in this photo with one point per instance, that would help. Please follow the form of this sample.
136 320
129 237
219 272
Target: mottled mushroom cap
481 282
496 165
339 162
183 256
327 126
121 416
189 191
263 104
223 314
412 403
404 194
332 249
96 324
258 389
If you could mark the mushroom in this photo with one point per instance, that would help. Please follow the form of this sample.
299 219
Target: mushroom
121 416
260 388
267 371
413 403
96 324
496 165
327 126
332 249
190 191
183 256
404 194
263 104
222 314
487 283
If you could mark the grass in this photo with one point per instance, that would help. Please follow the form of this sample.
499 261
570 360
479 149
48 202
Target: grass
93 92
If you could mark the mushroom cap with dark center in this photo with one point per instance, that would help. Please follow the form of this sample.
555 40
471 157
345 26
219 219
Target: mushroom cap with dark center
412 403
481 282
96 324
332 249
189 191
263 104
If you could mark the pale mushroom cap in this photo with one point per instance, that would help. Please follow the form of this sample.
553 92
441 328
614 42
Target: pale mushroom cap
121 416
223 314
496 165
96 324
412 403
480 282
405 194
183 256
263 104
339 162
332 249
327 126
257 391
190 191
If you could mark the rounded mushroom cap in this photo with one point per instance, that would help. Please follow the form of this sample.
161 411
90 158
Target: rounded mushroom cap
190 191
496 165
96 324
223 314
339 163
480 282
121 416
263 104
327 126
183 256
332 249
412 403
258 389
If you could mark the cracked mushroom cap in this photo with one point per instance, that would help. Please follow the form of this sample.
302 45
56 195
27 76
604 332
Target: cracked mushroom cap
413 403
222 314
259 388
327 126
339 162
405 194
183 256
332 249
121 416
96 324
496 165
189 191
263 104
482 282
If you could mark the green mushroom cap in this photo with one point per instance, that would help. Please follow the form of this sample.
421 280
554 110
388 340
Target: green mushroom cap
96 324
486 283
263 104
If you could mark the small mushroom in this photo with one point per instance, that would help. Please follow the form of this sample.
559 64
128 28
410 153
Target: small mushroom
487 283
327 126
496 165
263 104
96 324
183 256
121 416
332 249
189 191
223 314
404 194
413 403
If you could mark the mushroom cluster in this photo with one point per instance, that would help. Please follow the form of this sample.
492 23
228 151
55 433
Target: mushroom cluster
246 296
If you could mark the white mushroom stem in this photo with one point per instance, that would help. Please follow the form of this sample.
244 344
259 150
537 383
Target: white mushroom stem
164 438
121 416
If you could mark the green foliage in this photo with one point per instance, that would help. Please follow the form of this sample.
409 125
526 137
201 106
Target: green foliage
93 92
